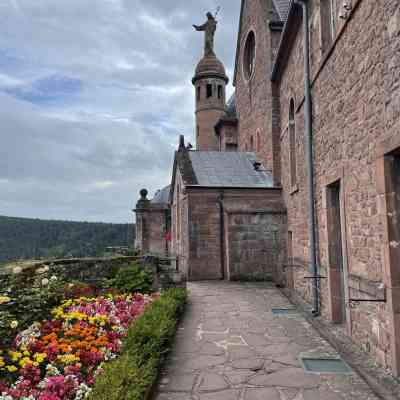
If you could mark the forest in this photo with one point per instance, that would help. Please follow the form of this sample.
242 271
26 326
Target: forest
24 238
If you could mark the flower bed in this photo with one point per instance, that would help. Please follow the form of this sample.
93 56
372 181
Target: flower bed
132 375
60 358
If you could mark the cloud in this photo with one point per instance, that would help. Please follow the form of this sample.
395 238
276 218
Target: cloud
93 96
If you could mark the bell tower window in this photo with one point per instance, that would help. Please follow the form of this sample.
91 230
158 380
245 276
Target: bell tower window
198 93
220 91
209 91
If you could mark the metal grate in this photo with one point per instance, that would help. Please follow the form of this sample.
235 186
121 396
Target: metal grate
283 311
326 365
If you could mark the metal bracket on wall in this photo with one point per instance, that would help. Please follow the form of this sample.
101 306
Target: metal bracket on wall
315 277
353 303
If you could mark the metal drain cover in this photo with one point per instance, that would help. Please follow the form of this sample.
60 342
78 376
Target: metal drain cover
283 311
326 365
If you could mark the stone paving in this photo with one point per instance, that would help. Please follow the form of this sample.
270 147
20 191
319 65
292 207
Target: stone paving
230 346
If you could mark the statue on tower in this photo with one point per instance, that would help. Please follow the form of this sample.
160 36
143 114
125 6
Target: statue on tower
209 27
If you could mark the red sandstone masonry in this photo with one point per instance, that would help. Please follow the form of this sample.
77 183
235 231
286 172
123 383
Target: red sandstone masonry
254 97
348 123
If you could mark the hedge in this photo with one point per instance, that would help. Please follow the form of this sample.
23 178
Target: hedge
133 374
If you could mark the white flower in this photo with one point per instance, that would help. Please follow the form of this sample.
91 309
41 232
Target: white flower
51 370
14 324
83 392
17 270
45 282
42 270
53 278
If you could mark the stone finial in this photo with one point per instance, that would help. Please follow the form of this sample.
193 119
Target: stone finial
143 194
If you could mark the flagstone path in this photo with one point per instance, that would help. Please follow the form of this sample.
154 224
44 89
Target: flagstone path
230 346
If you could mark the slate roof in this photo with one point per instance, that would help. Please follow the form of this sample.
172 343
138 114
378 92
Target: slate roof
161 196
231 106
228 169
282 6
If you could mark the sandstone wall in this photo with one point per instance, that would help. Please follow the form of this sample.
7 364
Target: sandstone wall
252 244
254 96
349 117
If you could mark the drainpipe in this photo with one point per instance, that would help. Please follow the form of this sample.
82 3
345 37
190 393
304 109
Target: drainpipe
310 165
221 232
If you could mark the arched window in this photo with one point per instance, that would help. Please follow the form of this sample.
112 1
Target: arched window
209 91
292 144
251 143
328 22
249 55
198 93
220 91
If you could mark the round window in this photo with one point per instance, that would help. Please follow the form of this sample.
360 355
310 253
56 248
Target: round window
249 58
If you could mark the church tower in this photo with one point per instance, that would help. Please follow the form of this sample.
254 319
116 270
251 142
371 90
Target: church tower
210 82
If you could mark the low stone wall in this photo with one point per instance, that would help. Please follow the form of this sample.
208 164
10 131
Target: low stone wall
91 270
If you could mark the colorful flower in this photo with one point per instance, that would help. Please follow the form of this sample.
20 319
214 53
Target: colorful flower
60 359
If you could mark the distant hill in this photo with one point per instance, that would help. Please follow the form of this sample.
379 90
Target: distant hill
24 238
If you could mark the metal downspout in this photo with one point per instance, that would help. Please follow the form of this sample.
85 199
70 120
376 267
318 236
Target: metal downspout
310 165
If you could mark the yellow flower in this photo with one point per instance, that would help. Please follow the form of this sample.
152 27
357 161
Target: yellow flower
2 363
39 357
68 359
26 353
15 356
4 299
11 368
25 361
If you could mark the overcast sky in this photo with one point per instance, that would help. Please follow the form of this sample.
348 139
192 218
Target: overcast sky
93 96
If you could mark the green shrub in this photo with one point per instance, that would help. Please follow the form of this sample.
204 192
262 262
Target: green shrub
32 299
132 279
132 375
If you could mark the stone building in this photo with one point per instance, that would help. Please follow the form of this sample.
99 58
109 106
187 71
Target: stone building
153 222
316 117
227 217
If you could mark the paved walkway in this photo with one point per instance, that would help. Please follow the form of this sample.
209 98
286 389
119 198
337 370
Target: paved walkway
230 346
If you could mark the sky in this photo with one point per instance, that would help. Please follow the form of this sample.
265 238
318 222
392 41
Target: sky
93 97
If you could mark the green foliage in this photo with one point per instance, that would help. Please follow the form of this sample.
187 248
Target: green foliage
131 376
29 302
23 238
132 279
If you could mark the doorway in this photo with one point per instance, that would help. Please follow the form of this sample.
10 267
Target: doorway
389 187
337 278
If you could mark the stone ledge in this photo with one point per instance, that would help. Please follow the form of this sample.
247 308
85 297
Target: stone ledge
383 384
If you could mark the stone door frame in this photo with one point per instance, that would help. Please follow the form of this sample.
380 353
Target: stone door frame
337 176
391 251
